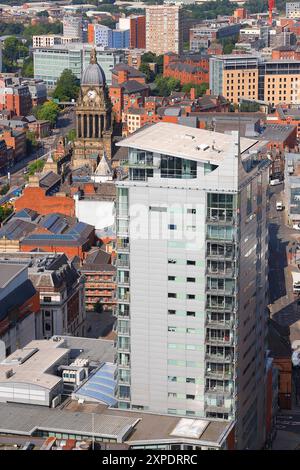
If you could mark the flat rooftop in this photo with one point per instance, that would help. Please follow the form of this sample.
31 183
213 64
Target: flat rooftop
131 427
30 364
8 273
186 142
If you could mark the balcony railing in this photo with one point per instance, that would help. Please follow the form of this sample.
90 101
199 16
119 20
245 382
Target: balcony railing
219 374
218 391
146 164
221 220
222 408
218 357
124 298
226 341
217 255
219 323
122 264
122 246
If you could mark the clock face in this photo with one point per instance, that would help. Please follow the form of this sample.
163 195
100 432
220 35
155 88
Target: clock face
91 94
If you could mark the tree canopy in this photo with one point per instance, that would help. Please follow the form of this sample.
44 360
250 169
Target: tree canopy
199 89
67 86
48 111
13 50
165 85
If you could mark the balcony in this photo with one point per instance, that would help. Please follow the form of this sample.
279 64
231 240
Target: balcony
122 246
219 358
218 391
215 254
122 264
219 375
226 341
147 164
124 298
224 306
220 324
218 408
124 282
221 220
220 291
221 272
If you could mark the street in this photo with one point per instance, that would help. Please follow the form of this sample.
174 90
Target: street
65 123
284 306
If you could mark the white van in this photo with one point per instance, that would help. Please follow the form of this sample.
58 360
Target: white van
275 182
279 206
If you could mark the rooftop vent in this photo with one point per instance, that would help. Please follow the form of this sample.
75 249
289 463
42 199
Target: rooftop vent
189 136
202 147
9 373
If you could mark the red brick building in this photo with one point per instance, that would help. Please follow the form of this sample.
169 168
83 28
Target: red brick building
35 198
188 69
16 140
129 87
137 32
286 52
15 98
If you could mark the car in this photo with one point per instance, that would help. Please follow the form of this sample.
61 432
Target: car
296 226
275 182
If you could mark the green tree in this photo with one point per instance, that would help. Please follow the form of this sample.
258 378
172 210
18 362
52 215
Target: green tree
27 70
4 189
67 87
249 107
165 85
256 6
71 135
35 167
48 111
199 89
144 68
5 211
12 51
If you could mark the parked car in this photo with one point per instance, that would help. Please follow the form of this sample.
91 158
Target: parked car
275 182
296 226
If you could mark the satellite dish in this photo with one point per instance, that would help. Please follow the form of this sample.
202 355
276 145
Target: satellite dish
296 358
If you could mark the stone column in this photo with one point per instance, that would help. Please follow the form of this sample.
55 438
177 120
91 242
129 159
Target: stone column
88 126
94 125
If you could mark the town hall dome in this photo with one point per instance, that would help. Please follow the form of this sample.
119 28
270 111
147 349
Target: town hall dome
93 73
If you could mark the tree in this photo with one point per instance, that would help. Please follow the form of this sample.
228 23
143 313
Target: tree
31 142
27 70
144 68
48 111
71 135
165 85
12 51
35 167
249 107
67 87
199 89
5 211
4 189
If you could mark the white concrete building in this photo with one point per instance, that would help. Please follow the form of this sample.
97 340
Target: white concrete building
292 9
192 245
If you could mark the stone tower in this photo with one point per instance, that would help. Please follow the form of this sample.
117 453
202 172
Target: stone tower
93 117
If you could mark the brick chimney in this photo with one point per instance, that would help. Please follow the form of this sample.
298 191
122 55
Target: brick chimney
192 94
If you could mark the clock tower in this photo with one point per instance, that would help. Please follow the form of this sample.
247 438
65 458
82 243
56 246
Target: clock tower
93 117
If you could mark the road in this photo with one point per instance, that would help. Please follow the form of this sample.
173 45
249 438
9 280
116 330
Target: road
284 307
64 124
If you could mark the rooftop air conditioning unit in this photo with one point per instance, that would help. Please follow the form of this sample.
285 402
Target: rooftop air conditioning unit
9 373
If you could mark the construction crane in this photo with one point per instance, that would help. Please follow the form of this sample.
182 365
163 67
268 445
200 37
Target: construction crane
271 5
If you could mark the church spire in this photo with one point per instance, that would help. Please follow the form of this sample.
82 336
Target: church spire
93 56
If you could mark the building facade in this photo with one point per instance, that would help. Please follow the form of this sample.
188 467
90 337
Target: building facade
164 29
93 117
49 63
191 328
247 76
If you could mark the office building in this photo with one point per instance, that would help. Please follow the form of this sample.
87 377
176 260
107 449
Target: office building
292 10
164 29
191 327
100 35
72 27
248 76
120 38
212 32
49 63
